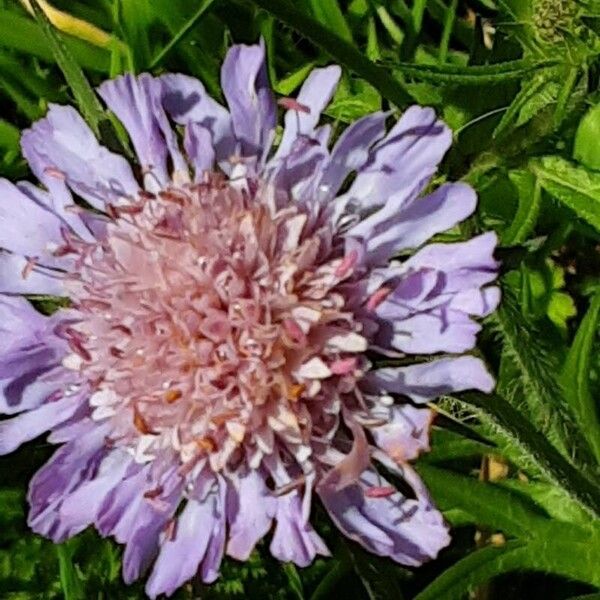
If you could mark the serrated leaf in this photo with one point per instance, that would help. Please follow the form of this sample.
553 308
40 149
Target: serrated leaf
353 100
561 308
529 90
546 96
573 186
565 93
575 376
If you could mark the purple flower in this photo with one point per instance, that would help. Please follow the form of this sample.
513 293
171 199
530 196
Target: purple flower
211 371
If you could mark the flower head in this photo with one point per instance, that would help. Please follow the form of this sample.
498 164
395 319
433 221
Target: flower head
217 363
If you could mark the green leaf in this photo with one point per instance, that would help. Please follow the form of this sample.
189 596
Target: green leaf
25 104
135 19
448 445
573 555
86 99
339 49
551 498
9 136
561 308
449 21
529 91
24 35
373 50
573 186
294 581
70 581
546 96
329 13
487 503
418 12
535 446
566 91
379 576
587 139
529 197
467 574
203 6
287 85
327 586
575 376
390 25
536 366
353 99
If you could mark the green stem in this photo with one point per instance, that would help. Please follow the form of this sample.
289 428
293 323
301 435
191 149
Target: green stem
449 20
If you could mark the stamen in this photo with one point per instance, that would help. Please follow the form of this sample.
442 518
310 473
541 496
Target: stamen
29 266
377 298
151 494
55 173
347 264
140 423
173 395
343 366
293 104
379 491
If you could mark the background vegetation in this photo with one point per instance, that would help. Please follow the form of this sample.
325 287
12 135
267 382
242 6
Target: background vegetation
516 473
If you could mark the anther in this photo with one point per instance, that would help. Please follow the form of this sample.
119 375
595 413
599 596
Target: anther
347 264
29 266
293 104
380 492
377 298
140 423
55 173
173 395
151 494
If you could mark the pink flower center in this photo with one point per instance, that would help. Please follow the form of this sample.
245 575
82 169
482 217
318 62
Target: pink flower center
211 321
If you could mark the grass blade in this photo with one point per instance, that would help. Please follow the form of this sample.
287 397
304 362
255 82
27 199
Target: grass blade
70 582
86 99
24 35
187 27
330 14
338 48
